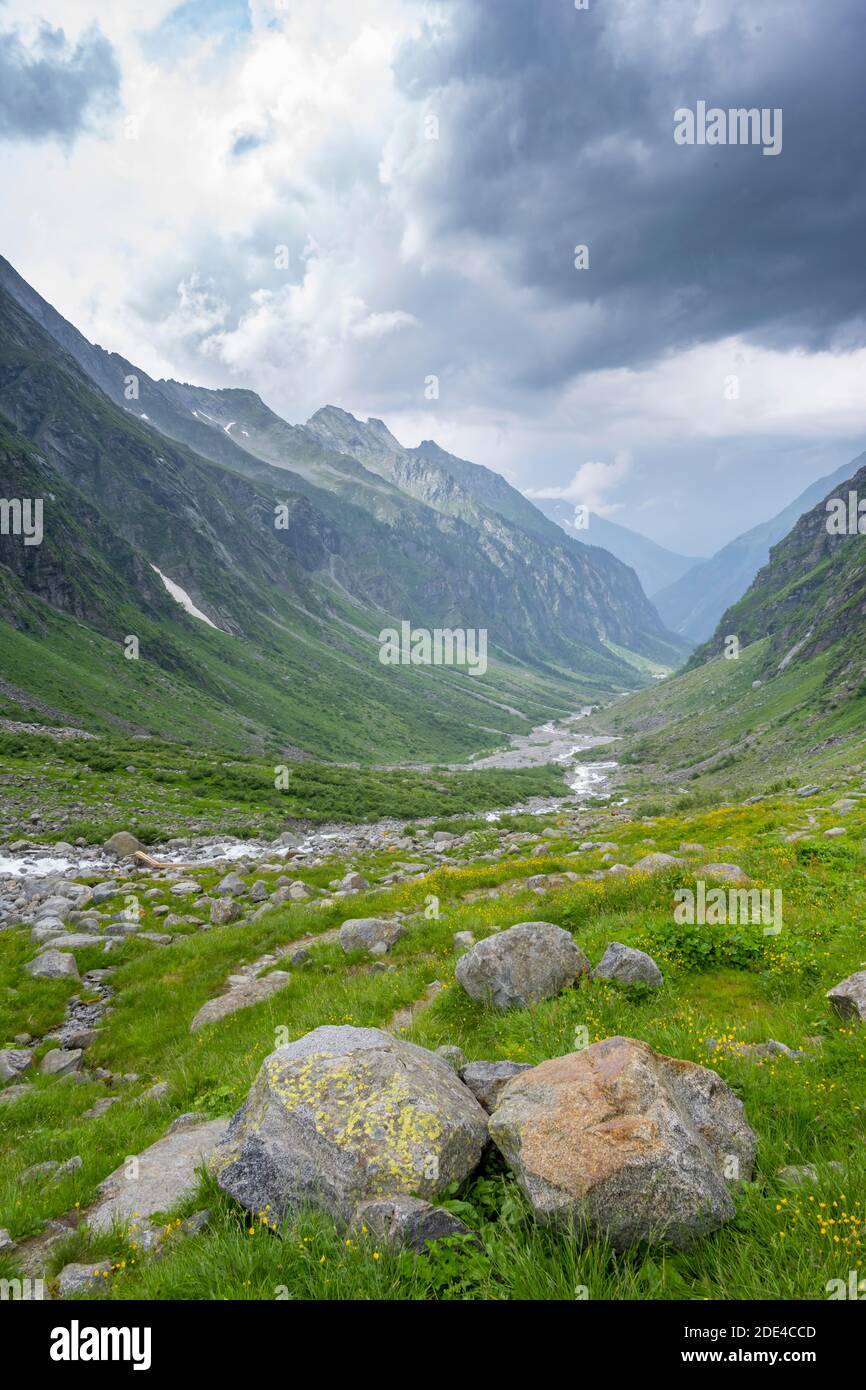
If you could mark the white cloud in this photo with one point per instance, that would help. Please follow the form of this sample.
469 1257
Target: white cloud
592 485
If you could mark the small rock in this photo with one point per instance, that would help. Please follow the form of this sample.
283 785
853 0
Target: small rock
354 881
13 1062
849 996
656 863
233 885
53 965
454 1056
487 1080
223 911
407 1223
368 933
122 845
805 1172
61 1061
78 1278
627 966
729 873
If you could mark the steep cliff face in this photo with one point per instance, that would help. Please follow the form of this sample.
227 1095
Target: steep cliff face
577 585
811 596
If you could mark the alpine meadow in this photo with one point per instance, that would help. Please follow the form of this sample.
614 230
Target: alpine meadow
432 670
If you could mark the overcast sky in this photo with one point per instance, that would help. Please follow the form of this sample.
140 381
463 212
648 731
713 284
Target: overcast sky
155 155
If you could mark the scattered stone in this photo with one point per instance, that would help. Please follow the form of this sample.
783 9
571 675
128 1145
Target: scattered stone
771 1048
184 887
655 863
454 1056
487 1080
9 1093
810 790
77 1278
164 1174
259 891
354 881
223 911
158 1091
730 873
99 1107
53 965
13 1061
241 997
627 966
407 1223
620 1141
805 1172
233 885
849 996
122 845
844 806
346 1114
7 1244
61 1061
463 940
521 966
40 1170
834 832
368 933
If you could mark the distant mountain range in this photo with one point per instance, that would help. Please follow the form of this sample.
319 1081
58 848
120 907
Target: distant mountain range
692 594
693 604
655 566
149 484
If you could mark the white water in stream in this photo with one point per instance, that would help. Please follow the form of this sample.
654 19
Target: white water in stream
549 743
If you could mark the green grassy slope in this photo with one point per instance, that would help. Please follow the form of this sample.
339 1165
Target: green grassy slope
731 983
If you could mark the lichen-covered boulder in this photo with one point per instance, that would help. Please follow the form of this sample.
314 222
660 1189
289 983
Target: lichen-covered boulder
344 1115
628 966
620 1141
518 967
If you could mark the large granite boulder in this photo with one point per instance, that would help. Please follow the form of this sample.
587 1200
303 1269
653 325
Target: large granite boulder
518 967
620 1141
344 1115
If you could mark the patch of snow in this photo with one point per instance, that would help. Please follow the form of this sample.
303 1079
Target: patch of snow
182 597
228 426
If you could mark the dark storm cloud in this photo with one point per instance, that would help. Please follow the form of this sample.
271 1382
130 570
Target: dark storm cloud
53 87
557 128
